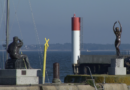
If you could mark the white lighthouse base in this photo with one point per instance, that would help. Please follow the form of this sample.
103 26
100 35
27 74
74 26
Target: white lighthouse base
117 67
19 76
75 46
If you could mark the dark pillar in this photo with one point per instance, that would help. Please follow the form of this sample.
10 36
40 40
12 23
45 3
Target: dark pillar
56 74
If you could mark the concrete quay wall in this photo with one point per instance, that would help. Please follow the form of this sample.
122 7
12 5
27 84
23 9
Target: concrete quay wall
47 87
70 86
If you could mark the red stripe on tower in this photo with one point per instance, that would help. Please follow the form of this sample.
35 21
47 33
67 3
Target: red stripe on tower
75 23
75 39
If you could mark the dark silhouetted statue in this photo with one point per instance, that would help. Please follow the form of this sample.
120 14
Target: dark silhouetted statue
13 50
118 37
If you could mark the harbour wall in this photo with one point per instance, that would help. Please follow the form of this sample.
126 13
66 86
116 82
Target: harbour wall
64 86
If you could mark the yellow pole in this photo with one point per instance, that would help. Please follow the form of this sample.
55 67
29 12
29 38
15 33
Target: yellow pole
46 45
24 62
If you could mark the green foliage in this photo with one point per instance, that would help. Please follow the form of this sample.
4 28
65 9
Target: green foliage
98 79
89 82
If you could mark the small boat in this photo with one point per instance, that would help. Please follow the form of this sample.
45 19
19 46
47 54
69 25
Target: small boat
88 50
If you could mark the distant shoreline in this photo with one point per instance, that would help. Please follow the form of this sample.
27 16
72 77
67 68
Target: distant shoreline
70 50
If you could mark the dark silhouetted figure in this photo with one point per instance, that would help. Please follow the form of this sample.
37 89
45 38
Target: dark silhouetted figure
118 37
13 50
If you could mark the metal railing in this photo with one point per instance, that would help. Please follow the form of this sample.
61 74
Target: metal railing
92 78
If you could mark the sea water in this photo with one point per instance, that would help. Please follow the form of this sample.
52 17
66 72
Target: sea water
61 57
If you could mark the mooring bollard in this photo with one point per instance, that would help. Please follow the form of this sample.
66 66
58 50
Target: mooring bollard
56 74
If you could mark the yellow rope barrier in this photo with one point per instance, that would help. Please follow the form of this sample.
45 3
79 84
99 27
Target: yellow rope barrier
46 45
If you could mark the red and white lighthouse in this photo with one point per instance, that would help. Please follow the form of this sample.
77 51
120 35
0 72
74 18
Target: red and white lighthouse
75 39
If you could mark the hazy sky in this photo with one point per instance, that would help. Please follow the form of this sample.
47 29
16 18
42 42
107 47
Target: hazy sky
53 20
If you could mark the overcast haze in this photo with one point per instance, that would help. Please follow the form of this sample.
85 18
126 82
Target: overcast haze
53 20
